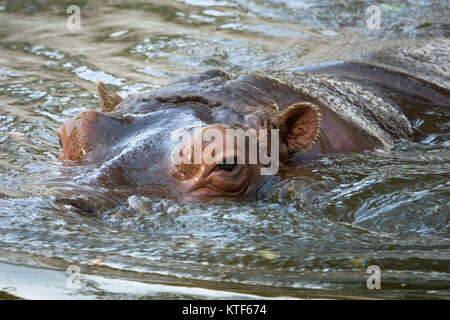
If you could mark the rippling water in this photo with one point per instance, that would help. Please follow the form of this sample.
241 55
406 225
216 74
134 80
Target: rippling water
312 232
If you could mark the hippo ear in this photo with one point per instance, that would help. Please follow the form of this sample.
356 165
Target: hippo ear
108 99
299 126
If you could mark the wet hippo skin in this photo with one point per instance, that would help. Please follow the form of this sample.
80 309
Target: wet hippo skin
318 110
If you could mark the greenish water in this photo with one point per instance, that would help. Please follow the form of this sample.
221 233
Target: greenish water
311 233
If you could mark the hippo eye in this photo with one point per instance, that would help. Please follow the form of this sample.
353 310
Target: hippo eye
60 143
224 179
226 166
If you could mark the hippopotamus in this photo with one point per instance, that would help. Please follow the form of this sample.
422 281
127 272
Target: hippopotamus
308 112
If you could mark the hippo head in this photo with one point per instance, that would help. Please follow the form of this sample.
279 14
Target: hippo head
151 141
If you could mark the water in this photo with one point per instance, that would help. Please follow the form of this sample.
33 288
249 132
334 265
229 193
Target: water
312 232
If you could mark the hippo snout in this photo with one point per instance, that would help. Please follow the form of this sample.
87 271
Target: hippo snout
76 136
